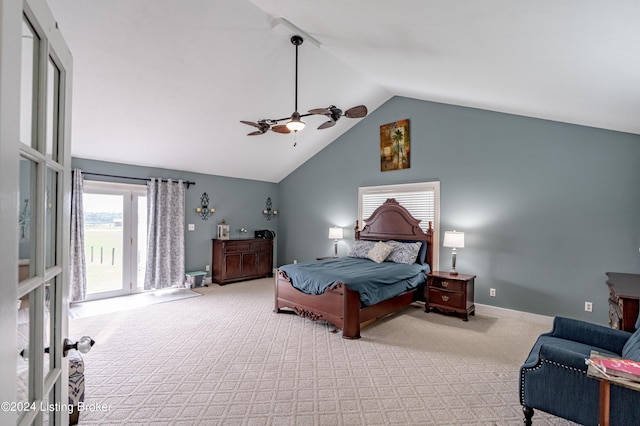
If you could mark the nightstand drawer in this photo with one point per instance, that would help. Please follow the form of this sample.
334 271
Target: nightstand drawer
446 298
450 293
452 285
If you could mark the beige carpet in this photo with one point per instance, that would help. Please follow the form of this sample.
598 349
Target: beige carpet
227 359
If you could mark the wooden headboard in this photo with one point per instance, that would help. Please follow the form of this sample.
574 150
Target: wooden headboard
391 221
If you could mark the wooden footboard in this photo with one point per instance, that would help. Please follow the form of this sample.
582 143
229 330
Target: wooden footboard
338 305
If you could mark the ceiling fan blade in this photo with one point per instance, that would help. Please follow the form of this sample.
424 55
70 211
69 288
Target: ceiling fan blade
257 132
356 112
320 111
250 123
327 124
281 128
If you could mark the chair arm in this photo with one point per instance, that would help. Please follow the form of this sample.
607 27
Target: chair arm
563 357
590 334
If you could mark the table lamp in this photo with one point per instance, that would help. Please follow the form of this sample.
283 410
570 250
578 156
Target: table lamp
335 234
455 240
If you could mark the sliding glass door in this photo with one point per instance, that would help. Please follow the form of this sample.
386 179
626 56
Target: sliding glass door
115 220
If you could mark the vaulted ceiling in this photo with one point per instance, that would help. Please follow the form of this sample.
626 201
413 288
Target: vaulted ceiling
165 83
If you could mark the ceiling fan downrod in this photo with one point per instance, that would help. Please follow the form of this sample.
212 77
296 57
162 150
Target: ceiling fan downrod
295 124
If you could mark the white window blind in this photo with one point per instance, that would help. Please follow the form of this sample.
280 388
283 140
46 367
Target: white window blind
421 200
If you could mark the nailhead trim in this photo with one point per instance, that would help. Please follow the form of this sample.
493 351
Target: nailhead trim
539 366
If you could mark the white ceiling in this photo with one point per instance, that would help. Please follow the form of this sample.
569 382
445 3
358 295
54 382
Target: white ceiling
164 83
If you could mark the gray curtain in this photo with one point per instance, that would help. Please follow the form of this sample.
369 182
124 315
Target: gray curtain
78 270
165 234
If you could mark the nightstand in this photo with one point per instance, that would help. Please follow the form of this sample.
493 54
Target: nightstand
450 293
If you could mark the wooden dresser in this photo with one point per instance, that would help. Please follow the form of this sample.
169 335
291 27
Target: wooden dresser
624 297
241 259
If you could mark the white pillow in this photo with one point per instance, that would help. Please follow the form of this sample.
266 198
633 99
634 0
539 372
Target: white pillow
379 252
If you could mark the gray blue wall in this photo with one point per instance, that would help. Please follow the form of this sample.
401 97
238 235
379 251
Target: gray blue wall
239 201
547 208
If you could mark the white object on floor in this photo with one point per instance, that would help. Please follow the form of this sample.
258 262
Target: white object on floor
122 303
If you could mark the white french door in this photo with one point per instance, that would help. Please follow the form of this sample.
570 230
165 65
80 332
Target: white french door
35 107
115 238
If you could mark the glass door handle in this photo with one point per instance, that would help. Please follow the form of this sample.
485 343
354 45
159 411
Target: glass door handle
83 345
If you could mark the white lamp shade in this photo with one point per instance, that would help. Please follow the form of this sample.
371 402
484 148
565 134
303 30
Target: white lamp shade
336 233
453 239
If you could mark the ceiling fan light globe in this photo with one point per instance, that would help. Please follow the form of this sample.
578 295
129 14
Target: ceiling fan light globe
295 124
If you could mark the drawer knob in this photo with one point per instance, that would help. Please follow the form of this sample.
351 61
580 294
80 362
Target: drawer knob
445 284
445 298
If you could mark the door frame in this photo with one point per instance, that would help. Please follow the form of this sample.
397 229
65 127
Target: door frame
131 194
10 49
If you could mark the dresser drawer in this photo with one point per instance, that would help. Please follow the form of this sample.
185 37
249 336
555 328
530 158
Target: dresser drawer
446 298
236 246
260 245
452 285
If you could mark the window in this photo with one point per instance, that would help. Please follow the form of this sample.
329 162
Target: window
422 200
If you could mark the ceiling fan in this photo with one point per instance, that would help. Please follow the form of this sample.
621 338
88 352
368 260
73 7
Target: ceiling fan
294 123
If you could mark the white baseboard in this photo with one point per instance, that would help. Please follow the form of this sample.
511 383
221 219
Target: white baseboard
495 311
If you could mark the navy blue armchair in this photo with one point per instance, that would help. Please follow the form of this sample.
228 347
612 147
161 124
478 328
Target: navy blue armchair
554 378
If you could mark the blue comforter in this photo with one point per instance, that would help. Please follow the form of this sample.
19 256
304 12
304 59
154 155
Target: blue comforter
374 281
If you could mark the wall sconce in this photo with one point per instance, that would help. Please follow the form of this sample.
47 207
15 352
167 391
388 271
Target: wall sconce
335 234
269 212
455 240
204 211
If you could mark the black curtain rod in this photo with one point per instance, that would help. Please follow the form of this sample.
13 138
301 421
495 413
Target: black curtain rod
188 182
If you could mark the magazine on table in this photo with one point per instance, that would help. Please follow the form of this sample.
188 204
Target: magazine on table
615 367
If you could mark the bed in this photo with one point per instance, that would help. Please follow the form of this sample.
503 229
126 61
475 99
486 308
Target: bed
344 302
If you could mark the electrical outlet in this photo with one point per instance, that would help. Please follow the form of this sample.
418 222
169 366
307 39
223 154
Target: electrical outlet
206 268
192 227
588 306
492 292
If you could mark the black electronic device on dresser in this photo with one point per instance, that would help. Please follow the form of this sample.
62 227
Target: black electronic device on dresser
266 234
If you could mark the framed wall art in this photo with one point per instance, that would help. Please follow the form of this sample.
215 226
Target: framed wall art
395 146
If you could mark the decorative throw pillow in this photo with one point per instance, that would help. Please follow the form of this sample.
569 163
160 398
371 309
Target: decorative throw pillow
361 249
403 252
380 251
631 349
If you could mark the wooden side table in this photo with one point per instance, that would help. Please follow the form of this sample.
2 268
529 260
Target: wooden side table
450 293
605 388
